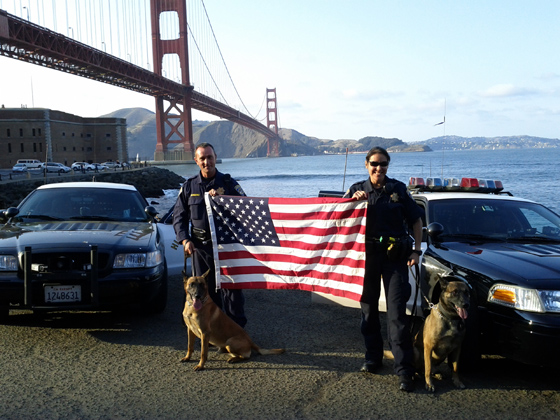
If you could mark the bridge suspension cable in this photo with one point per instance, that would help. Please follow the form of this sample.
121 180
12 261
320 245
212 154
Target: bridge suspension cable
122 28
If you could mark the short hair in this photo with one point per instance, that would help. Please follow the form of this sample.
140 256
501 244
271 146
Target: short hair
378 151
204 146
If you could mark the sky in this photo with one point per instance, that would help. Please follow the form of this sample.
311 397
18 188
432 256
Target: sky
351 69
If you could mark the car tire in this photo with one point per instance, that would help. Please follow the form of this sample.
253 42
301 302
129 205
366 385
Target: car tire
159 302
471 349
4 316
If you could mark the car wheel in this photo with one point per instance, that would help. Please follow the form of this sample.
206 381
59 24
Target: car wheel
159 302
4 316
471 350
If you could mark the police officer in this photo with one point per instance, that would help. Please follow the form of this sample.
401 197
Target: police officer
390 211
191 207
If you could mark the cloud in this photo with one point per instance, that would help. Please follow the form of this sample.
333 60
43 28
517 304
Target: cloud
506 90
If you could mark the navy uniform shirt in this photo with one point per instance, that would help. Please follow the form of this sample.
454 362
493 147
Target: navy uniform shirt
191 207
391 209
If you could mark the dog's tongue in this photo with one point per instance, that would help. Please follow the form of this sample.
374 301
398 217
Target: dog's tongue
197 304
462 312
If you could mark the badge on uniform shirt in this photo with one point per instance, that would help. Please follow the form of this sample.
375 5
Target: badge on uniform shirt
220 191
395 197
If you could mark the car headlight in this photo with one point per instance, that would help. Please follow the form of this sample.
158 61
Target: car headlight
8 263
138 260
525 299
551 300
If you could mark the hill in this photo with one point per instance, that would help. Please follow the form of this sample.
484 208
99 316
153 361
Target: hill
504 142
235 141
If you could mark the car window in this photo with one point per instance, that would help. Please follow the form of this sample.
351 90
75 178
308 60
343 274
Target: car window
83 204
497 219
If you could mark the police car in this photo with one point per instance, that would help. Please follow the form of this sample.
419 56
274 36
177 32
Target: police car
82 246
507 249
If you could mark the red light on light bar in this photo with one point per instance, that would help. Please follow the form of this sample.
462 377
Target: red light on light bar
469 184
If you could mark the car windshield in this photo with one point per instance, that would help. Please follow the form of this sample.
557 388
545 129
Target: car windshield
83 204
495 220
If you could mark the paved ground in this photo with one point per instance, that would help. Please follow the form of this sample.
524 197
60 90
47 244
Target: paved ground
126 366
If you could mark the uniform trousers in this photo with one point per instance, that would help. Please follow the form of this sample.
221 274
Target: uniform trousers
231 301
397 292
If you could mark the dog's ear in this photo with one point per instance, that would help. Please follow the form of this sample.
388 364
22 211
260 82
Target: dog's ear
444 282
205 275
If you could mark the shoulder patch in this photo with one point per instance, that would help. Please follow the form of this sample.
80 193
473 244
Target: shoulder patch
239 189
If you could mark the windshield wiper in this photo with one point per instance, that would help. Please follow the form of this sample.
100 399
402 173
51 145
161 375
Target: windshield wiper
38 216
474 237
538 239
96 218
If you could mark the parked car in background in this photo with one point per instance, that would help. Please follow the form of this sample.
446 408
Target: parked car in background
31 163
82 246
56 167
19 167
79 166
112 165
97 167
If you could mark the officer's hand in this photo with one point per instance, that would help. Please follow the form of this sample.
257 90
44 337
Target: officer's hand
359 195
188 247
213 193
413 259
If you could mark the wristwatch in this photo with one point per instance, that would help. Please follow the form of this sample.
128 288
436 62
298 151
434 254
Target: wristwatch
417 251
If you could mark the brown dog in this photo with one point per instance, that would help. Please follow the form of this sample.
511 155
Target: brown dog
206 321
443 331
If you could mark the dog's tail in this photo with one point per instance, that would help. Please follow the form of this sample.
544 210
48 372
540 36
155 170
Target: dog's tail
258 350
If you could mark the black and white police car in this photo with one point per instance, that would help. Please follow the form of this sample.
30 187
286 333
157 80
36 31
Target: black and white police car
507 249
82 246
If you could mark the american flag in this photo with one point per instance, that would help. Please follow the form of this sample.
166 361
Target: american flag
313 244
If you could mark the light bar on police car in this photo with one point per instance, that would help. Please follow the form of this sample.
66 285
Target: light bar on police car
455 184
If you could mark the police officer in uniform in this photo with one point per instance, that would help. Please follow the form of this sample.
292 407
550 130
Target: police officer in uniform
191 207
391 210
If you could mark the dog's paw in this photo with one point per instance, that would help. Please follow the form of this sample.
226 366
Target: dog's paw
199 367
430 387
185 359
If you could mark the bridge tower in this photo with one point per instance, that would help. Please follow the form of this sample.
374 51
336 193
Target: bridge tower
272 123
173 118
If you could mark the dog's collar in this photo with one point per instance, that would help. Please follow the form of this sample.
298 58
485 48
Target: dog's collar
436 309
461 323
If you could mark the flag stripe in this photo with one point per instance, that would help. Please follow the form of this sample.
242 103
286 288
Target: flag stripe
310 274
293 259
319 215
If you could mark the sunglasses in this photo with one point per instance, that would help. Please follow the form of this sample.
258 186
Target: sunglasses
376 164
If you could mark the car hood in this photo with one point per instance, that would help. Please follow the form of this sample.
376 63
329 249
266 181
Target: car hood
77 234
535 265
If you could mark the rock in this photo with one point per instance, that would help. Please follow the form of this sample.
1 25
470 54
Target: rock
150 181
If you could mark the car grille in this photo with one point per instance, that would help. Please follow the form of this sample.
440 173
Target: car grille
68 261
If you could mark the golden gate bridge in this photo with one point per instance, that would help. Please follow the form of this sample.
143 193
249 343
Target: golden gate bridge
163 48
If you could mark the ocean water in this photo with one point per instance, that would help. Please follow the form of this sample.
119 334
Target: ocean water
529 173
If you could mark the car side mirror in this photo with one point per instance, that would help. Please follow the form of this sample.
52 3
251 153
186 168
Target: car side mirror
151 211
435 229
6 215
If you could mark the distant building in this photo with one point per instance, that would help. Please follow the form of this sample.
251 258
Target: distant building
47 135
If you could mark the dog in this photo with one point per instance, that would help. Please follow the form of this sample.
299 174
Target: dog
208 322
442 334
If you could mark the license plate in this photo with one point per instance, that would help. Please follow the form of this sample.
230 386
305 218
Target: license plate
58 294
